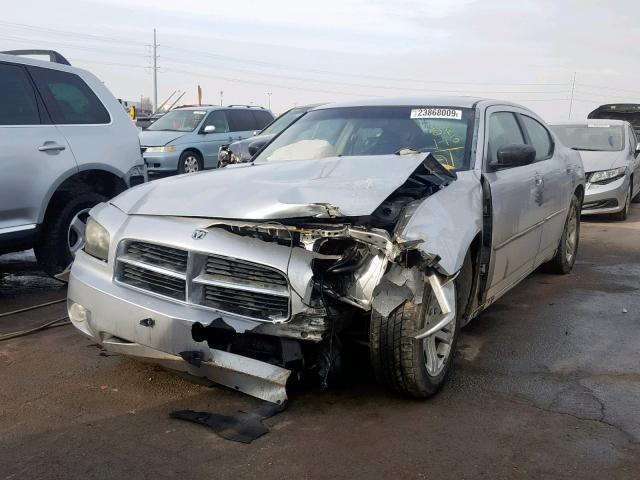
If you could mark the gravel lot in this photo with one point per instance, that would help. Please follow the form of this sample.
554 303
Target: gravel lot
547 385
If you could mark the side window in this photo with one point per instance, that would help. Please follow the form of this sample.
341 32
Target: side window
17 97
633 140
68 99
218 119
503 130
540 138
262 117
241 120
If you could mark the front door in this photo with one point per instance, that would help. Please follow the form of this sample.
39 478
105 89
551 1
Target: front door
517 211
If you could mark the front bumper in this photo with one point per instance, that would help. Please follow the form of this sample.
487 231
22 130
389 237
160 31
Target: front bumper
605 199
117 314
161 162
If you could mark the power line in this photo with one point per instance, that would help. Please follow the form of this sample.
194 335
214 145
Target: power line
68 45
361 85
100 38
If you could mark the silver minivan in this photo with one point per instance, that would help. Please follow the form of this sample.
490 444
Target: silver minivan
67 144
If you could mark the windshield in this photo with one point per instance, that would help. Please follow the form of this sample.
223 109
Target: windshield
596 138
356 131
179 121
283 121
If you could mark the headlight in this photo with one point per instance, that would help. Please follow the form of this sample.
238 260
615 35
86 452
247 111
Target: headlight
223 155
607 176
234 158
96 241
166 149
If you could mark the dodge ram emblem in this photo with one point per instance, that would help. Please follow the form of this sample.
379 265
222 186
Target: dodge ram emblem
198 234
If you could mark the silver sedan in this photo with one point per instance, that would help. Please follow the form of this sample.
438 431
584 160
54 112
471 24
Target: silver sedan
392 222
609 151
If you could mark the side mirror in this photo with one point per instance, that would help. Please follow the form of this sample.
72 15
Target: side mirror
209 129
254 147
513 155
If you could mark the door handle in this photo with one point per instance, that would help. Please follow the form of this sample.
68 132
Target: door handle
51 147
539 180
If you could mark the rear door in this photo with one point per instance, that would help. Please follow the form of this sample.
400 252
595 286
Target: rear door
242 123
556 184
517 210
33 153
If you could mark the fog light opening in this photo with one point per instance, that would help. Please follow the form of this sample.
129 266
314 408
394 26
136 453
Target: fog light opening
77 313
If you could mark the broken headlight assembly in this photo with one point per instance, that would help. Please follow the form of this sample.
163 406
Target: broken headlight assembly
607 176
96 240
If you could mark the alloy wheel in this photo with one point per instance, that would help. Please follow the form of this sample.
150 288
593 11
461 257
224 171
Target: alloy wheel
437 347
572 235
191 164
76 231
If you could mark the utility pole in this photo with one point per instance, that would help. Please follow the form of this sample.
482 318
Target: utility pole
221 93
155 72
573 89
269 99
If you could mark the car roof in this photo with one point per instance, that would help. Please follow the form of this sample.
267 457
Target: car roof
593 121
431 101
209 108
24 60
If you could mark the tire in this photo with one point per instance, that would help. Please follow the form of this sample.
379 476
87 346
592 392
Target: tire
190 162
622 215
565 257
635 199
399 361
63 231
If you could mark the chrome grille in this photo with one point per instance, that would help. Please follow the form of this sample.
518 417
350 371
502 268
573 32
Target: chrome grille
262 306
239 271
159 283
158 255
222 283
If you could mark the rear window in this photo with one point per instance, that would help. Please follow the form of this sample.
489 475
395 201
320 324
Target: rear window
68 98
17 97
241 120
263 118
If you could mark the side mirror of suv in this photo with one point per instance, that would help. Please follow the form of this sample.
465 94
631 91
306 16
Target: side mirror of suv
209 129
513 155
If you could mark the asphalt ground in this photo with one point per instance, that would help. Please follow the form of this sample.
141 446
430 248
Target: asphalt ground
546 385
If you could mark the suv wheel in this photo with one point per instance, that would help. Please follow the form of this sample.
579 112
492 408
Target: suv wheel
190 162
63 232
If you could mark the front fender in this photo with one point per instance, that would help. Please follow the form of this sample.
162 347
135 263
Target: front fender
448 221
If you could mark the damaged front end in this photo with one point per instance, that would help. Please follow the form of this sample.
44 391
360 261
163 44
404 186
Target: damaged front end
354 265
246 303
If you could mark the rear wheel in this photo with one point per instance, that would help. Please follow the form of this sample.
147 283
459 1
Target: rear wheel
622 215
565 256
418 368
190 162
63 231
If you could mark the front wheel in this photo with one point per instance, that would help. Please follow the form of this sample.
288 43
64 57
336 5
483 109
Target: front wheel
190 162
418 368
622 215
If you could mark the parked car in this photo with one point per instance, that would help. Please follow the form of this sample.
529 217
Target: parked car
344 223
242 150
609 150
67 144
187 139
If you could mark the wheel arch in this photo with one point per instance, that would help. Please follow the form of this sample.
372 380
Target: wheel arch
102 181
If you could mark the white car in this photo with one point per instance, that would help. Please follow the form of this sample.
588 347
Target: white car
610 154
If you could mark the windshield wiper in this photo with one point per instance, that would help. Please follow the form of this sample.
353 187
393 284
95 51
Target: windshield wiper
586 149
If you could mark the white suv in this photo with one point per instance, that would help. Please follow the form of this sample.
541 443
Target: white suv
66 145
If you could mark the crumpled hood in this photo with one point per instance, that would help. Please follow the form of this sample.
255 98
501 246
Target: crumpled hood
595 161
150 138
276 190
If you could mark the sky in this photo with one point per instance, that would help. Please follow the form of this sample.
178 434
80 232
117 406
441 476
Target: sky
284 53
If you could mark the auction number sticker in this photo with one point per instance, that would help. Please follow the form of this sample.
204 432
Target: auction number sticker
436 113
